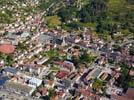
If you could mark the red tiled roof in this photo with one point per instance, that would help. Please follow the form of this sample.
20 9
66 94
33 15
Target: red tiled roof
63 64
43 91
85 92
60 93
7 48
61 74
58 62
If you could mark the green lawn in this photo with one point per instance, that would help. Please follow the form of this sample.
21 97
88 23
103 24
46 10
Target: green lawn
54 68
131 84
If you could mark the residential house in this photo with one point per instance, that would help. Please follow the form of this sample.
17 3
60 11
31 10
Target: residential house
32 69
68 65
9 71
43 91
61 74
33 81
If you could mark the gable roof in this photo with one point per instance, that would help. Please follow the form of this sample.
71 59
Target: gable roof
10 70
61 74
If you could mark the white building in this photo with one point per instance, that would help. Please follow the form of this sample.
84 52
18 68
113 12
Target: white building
33 81
43 60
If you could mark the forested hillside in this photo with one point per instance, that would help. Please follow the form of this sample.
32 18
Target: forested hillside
106 17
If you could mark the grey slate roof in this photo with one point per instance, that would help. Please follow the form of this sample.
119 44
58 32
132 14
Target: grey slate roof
10 70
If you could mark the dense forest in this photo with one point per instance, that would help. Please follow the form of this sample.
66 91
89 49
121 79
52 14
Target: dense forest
106 17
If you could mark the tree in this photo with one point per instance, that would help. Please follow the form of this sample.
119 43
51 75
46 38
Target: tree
5 17
125 78
44 5
93 11
131 2
21 46
131 50
53 21
51 53
73 25
8 59
116 47
98 85
86 58
83 58
67 14
131 84
51 93
64 14
75 61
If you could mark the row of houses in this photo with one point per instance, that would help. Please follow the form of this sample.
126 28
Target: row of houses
17 82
